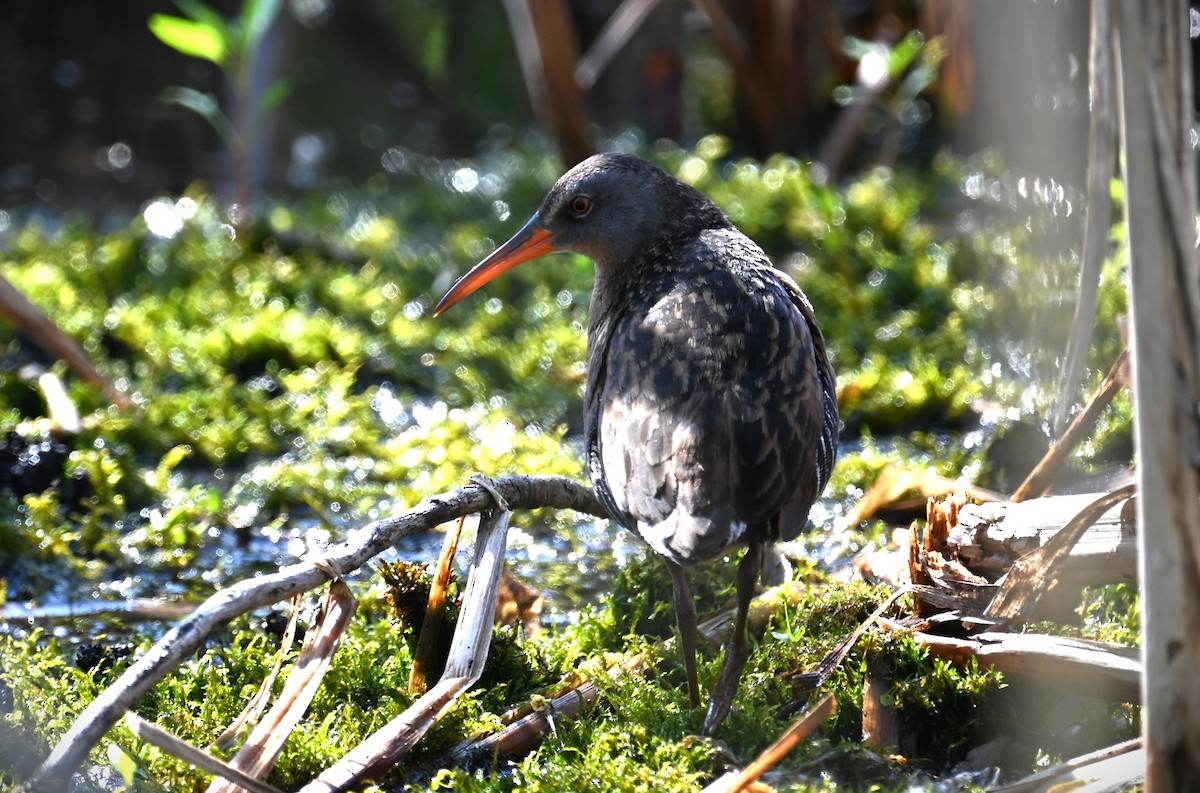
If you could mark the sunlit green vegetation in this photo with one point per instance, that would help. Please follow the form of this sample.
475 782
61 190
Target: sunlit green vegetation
293 369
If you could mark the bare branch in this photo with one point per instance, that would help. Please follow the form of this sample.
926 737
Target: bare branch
521 492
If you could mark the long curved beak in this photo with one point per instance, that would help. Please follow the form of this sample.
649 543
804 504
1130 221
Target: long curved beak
530 242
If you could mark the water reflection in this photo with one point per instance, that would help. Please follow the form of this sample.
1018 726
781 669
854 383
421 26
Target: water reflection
1028 228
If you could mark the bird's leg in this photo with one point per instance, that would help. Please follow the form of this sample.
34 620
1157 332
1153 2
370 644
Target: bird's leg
737 650
685 616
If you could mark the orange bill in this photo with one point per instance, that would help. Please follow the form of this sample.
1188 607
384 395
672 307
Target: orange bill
530 242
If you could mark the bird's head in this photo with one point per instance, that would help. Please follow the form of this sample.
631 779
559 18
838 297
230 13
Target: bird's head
610 208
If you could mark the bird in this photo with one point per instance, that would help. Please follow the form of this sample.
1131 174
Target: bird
710 410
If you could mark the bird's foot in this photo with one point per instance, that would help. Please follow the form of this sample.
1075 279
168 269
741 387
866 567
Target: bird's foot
736 653
737 650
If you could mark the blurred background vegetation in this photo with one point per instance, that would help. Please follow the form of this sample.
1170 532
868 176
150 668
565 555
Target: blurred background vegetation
82 124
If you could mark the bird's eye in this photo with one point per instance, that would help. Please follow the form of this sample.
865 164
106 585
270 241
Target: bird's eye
580 205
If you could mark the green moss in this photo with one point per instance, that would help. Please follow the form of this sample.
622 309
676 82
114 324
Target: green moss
940 707
1111 613
44 693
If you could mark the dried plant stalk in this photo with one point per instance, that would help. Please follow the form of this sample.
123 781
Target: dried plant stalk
800 729
1091 668
1118 767
177 747
30 319
372 758
257 757
258 703
525 732
1033 573
435 610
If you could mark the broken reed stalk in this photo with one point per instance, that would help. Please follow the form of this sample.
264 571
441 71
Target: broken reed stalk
435 611
1118 767
1042 475
189 635
375 756
927 549
525 733
1091 668
257 757
177 747
990 537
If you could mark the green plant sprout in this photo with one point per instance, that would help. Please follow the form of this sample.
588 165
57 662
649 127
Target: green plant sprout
892 78
234 45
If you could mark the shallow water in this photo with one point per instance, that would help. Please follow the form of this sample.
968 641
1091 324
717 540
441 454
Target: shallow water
574 569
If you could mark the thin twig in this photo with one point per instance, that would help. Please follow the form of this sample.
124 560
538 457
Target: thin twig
817 715
30 320
1040 478
128 611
